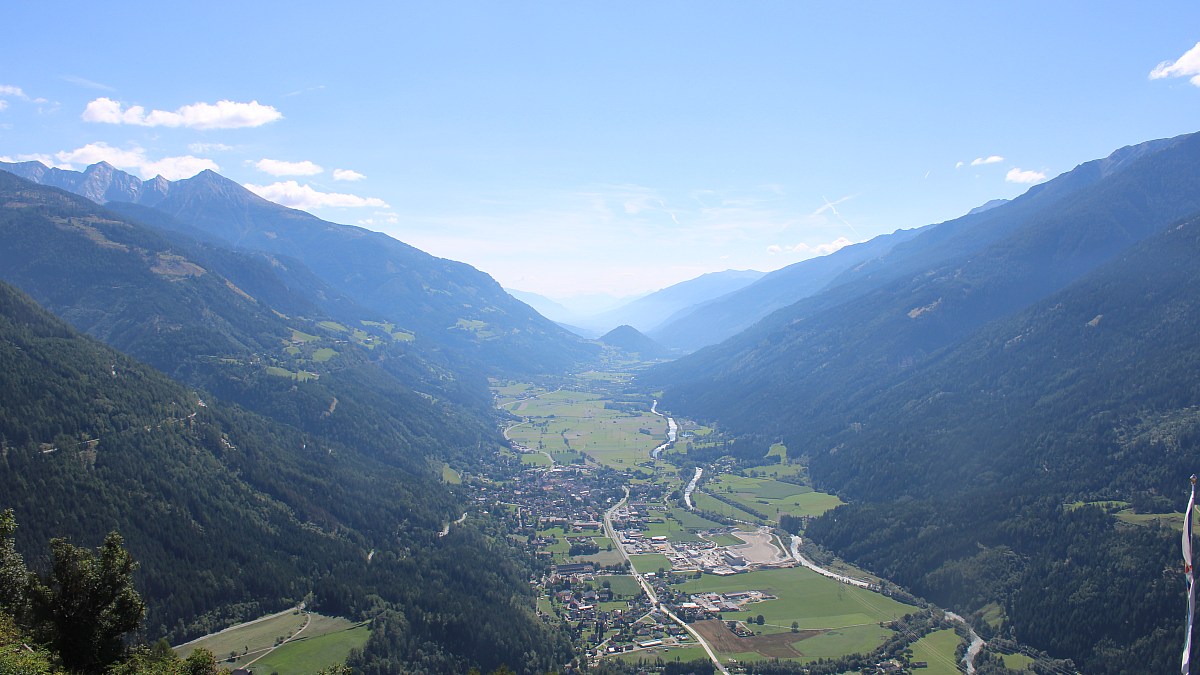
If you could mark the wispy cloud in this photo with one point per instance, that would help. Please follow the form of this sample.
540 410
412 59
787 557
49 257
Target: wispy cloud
380 219
1024 176
90 84
306 90
347 175
205 148
278 167
818 249
290 193
991 159
832 208
219 115
1187 66
48 160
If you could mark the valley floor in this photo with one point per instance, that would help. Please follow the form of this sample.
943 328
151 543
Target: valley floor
655 556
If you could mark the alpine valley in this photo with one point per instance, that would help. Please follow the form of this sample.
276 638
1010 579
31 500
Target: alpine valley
272 409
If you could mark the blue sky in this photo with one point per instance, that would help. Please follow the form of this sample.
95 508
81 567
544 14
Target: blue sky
574 147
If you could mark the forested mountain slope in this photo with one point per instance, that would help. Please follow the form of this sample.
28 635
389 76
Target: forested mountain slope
1092 394
231 514
724 316
968 407
779 375
446 303
650 311
361 382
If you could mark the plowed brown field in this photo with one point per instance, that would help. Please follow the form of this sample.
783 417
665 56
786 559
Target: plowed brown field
778 645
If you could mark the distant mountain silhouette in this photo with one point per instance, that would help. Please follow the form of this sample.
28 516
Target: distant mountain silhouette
628 339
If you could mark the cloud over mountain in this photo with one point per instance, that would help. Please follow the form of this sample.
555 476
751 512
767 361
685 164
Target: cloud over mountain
1024 176
290 193
135 158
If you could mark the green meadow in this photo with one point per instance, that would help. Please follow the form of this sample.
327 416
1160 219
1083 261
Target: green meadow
813 602
937 649
324 641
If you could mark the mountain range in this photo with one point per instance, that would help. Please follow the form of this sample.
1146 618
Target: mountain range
1033 355
988 394
305 422
443 303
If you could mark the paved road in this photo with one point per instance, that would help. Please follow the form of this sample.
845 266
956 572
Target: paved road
821 570
608 528
977 642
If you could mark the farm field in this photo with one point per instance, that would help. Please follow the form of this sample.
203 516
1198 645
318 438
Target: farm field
566 423
667 654
937 649
847 616
706 502
771 497
650 562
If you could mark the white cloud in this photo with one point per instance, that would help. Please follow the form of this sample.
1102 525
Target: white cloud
10 91
347 174
819 249
203 148
290 193
381 218
992 159
1187 65
959 165
278 167
1024 176
219 115
36 157
135 159
175 168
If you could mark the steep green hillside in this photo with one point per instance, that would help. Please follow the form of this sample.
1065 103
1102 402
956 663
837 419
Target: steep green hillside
962 409
161 298
781 376
1090 395
232 514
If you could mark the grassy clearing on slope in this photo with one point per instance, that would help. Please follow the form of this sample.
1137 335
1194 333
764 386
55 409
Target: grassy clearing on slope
254 637
306 655
247 642
937 649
